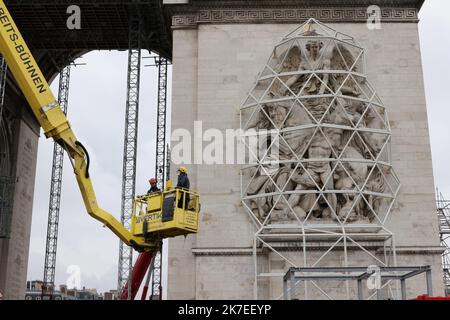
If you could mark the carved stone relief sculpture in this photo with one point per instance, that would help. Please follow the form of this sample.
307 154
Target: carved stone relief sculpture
332 135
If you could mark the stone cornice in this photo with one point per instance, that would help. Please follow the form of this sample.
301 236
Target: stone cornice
289 11
196 4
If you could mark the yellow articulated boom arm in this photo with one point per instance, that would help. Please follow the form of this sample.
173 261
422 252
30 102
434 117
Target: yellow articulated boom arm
55 124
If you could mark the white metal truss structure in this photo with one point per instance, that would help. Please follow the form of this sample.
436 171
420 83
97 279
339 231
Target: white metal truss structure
160 169
358 275
161 125
55 192
443 211
305 215
130 150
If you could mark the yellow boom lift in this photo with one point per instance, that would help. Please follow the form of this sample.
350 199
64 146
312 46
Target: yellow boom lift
156 216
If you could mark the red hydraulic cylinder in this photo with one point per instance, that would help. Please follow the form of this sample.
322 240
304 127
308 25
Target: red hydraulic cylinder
139 270
144 292
147 281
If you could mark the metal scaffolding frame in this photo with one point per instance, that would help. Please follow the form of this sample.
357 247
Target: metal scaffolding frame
161 165
161 125
379 279
168 159
130 149
156 268
156 293
313 245
106 22
55 193
306 242
443 212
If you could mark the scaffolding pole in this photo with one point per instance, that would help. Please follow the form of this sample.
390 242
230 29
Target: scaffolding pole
156 277
168 162
55 193
161 122
443 211
161 164
130 149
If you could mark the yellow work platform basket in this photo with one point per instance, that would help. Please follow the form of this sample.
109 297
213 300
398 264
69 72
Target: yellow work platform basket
167 214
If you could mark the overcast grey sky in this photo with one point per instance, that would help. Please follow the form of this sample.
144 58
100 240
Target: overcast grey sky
96 111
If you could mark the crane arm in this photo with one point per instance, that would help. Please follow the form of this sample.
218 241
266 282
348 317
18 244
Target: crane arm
53 120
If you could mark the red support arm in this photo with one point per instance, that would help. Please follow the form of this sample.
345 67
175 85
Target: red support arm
139 270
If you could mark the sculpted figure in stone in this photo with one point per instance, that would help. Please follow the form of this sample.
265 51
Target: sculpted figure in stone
295 141
317 174
324 118
376 184
354 176
317 107
342 83
263 184
314 60
351 112
292 60
258 186
278 113
270 116
357 170
271 183
283 115
375 141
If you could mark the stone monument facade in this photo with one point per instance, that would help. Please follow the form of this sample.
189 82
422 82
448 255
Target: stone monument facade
350 183
17 188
